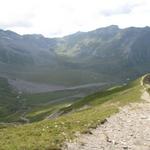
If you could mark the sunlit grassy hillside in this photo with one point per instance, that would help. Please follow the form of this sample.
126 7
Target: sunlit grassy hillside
83 115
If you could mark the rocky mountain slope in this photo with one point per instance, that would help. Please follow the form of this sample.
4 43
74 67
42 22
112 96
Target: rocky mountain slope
83 57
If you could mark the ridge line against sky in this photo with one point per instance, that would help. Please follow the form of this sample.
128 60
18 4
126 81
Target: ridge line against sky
41 35
56 18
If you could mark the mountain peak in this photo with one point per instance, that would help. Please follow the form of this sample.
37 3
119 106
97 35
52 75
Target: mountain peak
36 36
112 27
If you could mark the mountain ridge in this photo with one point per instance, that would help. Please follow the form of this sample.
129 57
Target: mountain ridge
99 54
113 26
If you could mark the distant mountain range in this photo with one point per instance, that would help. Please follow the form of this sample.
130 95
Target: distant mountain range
101 55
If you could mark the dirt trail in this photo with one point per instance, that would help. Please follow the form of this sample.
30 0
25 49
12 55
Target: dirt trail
127 130
145 96
23 118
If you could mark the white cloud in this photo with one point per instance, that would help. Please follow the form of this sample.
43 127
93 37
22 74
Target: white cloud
61 17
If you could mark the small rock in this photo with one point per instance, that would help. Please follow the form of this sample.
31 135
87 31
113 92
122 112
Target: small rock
125 147
105 120
144 117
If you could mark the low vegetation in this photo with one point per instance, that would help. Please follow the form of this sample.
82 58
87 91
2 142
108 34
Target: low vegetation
36 107
9 102
83 115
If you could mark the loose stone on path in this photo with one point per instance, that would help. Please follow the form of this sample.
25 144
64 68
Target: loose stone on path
127 130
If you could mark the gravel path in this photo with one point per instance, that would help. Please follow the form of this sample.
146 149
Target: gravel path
127 130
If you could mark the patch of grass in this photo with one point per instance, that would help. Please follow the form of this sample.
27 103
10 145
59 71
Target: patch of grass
48 97
9 103
42 105
61 75
50 134
41 112
121 94
14 105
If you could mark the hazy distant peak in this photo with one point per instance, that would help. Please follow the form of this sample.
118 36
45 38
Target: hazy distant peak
36 36
112 27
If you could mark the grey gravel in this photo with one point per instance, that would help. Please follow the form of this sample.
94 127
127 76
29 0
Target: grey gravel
127 130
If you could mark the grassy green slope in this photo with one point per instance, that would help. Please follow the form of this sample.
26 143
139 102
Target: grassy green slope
35 107
102 97
42 105
13 104
9 103
50 134
60 75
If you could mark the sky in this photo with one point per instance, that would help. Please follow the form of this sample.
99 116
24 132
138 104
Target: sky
56 18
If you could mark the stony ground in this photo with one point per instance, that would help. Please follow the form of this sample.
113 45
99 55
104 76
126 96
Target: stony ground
127 130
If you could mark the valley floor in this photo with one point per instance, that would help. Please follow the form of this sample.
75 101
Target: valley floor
91 128
127 130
